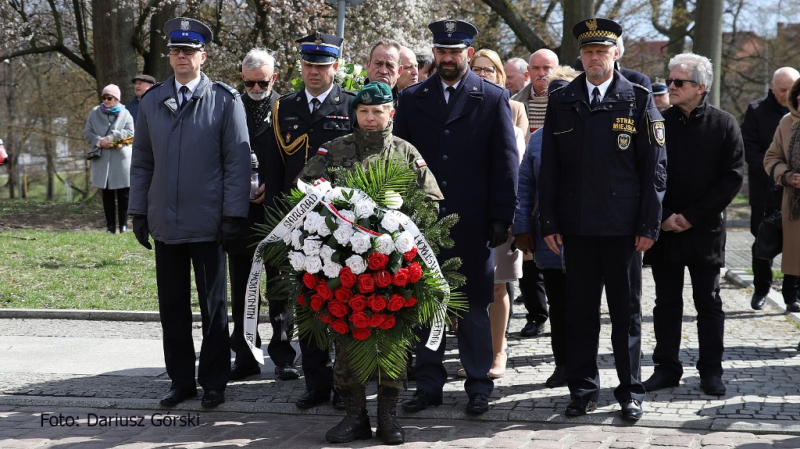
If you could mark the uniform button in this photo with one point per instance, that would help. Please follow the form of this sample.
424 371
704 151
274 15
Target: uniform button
444 183
613 193
443 210
446 132
311 130
444 157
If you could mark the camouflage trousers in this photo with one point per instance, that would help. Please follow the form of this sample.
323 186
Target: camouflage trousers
345 378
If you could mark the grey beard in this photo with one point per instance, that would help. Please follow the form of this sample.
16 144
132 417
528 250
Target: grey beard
259 96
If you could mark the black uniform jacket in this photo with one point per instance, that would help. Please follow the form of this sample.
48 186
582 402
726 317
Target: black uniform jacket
705 172
603 170
758 128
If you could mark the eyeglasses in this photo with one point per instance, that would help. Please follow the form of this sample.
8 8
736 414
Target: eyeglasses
262 84
678 83
187 51
486 70
107 98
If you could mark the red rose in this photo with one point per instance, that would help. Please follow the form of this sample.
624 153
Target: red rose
410 302
361 334
383 278
343 294
325 318
358 303
388 323
324 291
337 309
359 320
396 303
414 272
340 326
347 278
366 284
377 319
310 280
301 300
401 277
377 303
316 301
376 261
408 256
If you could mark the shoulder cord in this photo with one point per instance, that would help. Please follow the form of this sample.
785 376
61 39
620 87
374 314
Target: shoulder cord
292 148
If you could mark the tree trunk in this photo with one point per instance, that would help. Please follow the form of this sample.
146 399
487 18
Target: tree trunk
574 12
708 39
157 63
114 53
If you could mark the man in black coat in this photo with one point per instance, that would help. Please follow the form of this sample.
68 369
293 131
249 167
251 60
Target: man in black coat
461 124
302 121
704 174
602 179
758 128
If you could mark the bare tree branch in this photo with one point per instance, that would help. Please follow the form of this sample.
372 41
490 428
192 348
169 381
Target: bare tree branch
517 23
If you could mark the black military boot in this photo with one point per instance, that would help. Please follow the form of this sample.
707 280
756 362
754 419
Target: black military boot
355 425
389 431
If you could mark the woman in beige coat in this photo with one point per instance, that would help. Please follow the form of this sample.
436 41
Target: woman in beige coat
782 161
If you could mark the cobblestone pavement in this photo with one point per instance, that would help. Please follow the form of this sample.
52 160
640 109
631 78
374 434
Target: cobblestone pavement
761 407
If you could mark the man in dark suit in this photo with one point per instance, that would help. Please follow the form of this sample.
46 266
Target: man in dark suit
601 184
302 121
462 125
758 128
704 174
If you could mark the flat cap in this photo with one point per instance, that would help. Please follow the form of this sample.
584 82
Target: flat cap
372 94
186 32
145 78
597 31
320 48
452 33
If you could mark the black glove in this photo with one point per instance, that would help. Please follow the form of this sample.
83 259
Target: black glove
230 231
498 232
141 230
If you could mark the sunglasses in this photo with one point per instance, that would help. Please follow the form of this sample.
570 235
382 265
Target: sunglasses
107 98
678 83
262 84
187 51
486 70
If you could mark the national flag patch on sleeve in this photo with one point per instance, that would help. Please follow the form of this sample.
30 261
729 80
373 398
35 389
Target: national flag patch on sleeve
421 163
322 151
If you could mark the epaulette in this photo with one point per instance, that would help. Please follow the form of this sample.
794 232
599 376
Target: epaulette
151 89
230 89
641 87
557 89
350 92
493 83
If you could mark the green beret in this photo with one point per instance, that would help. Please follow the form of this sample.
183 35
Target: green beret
372 94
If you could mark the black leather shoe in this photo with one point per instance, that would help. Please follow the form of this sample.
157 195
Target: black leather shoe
313 398
531 329
421 401
338 401
287 372
713 386
478 403
177 395
240 371
632 410
659 381
757 302
579 407
212 398
793 307
558 378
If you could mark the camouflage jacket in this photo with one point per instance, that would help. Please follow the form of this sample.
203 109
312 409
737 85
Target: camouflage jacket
362 146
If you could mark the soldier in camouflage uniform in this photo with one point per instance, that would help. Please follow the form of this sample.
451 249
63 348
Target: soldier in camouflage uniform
372 138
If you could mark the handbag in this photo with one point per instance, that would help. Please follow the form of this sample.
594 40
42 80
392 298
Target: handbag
769 240
94 152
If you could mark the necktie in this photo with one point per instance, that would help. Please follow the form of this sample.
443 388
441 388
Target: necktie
182 97
315 104
595 97
451 91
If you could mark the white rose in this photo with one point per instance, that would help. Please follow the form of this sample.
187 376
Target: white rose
296 234
313 264
356 263
348 214
287 238
331 269
360 242
325 252
343 233
311 247
297 260
364 208
390 222
384 244
323 230
334 195
404 242
312 222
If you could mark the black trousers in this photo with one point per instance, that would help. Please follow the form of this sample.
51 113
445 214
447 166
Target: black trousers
592 262
555 284
533 291
762 268
668 316
121 209
173 263
791 288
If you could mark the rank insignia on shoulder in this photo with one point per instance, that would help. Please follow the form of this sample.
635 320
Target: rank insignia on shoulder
659 133
230 89
421 163
322 151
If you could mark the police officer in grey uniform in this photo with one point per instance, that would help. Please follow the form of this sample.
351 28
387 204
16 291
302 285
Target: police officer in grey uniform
302 121
190 182
602 180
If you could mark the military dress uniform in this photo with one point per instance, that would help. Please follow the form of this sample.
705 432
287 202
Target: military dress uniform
602 179
297 134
